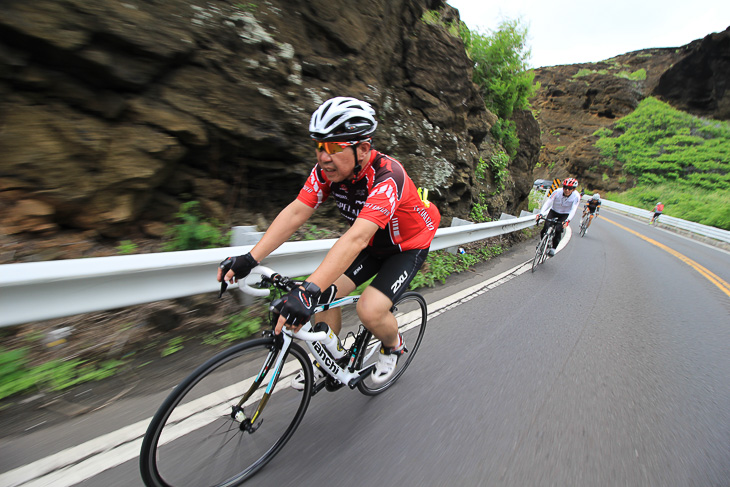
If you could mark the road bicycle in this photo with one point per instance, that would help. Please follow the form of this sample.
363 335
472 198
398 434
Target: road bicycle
234 413
584 222
545 242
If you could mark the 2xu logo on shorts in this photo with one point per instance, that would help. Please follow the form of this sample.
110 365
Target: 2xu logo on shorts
397 284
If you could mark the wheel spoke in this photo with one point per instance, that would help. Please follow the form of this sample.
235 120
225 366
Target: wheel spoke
195 421
411 314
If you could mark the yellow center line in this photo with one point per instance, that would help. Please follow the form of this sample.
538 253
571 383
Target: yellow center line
717 281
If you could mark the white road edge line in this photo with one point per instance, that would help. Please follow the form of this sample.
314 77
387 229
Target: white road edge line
79 463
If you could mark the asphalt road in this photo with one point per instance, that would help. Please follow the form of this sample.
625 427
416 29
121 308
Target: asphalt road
609 365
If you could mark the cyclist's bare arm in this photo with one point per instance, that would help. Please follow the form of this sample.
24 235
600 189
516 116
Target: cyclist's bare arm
340 256
284 225
343 252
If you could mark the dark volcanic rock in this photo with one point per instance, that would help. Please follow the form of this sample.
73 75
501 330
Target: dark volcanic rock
112 113
699 83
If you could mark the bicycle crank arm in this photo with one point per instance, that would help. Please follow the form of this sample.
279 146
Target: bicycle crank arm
361 375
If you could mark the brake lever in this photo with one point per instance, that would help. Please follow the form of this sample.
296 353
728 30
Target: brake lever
224 286
225 266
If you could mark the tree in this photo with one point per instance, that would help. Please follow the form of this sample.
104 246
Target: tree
501 72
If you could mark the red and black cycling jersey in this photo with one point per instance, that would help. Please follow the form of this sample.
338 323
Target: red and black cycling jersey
593 205
385 195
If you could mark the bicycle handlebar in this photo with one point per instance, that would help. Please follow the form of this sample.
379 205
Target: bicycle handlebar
281 282
259 270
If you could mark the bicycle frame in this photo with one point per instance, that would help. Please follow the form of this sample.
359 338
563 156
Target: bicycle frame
347 374
344 374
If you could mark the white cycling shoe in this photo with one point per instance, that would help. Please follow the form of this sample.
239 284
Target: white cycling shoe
387 361
297 382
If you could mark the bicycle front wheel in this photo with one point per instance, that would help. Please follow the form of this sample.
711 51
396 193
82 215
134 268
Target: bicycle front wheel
411 314
548 243
583 226
539 253
196 439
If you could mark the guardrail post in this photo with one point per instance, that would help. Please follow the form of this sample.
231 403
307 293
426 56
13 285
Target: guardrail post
457 222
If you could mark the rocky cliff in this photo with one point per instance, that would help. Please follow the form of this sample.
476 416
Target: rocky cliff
576 100
113 113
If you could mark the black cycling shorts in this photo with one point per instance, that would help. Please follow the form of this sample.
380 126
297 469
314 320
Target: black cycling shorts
394 272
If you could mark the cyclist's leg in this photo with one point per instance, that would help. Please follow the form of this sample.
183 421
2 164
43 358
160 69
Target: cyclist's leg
558 228
590 219
392 281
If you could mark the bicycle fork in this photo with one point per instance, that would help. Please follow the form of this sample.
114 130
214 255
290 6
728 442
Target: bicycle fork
276 358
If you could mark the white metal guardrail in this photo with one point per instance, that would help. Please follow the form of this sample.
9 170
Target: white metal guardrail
670 221
43 290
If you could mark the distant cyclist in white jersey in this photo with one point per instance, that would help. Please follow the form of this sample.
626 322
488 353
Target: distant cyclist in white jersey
562 205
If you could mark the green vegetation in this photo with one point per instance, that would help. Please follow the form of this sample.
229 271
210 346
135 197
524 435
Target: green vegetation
441 264
481 170
174 345
194 232
240 326
535 199
638 75
500 70
17 375
126 247
499 162
433 17
247 7
692 204
676 157
480 211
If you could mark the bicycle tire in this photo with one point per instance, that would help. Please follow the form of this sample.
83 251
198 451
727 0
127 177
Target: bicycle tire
584 226
193 440
539 253
412 314
548 240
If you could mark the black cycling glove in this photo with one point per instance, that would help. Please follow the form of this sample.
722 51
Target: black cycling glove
300 304
241 265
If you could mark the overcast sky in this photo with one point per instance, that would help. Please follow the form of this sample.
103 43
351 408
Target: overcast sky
573 31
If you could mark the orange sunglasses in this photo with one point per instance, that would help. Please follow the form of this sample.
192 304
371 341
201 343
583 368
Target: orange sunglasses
332 147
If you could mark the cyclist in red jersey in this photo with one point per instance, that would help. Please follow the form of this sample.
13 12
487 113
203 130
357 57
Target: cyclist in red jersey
658 209
389 237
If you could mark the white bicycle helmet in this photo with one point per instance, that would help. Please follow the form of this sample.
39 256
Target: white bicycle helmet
596 196
342 119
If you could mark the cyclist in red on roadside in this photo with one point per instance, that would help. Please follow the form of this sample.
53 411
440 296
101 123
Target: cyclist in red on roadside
658 209
389 237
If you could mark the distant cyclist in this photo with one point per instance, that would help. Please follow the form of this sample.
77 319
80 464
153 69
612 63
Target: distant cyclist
562 204
593 205
658 209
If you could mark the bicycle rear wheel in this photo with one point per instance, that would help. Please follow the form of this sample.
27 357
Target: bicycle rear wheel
411 313
193 440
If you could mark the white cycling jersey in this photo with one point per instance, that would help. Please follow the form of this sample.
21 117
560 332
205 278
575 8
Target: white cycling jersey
561 204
